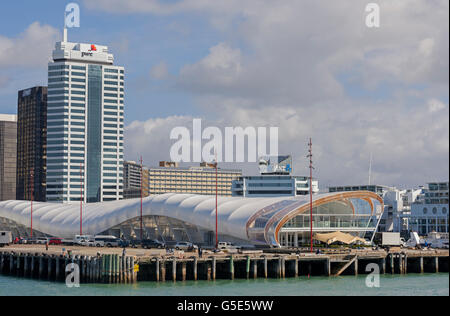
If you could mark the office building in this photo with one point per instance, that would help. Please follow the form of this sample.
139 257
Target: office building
170 178
273 185
132 183
430 211
31 144
8 152
84 124
275 180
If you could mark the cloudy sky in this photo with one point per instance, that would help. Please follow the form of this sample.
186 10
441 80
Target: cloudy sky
312 68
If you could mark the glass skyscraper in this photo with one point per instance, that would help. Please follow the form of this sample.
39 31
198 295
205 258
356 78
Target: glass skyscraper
84 124
31 144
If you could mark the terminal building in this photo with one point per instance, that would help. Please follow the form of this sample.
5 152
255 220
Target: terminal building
171 217
85 123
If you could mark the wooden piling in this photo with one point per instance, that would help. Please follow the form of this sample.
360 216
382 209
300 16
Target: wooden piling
174 269
183 271
231 267
195 268
163 271
214 267
247 267
157 263
266 272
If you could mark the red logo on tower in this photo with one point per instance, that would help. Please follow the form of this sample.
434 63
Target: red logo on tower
93 48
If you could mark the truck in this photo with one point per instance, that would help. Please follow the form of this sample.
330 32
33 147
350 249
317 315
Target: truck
5 238
391 240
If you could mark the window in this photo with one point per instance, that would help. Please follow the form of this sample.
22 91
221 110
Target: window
444 210
425 210
434 210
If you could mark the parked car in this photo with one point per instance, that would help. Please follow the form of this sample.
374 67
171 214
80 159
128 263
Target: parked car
185 245
55 241
78 238
40 240
152 243
123 243
84 242
108 241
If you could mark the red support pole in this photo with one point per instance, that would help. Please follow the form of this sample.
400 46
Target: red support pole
32 188
141 198
217 237
310 192
81 199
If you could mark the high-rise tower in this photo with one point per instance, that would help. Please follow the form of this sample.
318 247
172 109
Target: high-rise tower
31 144
84 124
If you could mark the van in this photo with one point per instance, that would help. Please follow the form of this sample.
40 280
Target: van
5 238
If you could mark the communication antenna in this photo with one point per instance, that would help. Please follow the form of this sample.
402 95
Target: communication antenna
310 155
370 167
141 219
65 29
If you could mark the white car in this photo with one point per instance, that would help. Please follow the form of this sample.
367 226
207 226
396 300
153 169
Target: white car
185 245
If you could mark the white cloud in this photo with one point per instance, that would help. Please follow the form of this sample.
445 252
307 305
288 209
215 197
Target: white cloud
298 65
32 48
160 71
435 105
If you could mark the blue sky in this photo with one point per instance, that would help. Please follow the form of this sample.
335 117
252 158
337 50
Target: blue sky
311 68
137 41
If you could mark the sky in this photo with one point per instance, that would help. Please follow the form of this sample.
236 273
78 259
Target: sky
311 68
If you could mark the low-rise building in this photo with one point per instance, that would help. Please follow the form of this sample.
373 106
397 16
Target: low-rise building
273 185
132 183
430 210
170 178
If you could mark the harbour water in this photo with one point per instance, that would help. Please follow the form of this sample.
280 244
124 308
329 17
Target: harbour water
405 285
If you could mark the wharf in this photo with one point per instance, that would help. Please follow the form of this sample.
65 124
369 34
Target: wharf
108 265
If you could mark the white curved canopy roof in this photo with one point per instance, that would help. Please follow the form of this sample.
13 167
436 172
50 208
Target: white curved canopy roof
234 215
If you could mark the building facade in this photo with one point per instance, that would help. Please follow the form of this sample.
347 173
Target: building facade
273 185
170 178
430 211
390 196
84 124
8 152
32 144
135 177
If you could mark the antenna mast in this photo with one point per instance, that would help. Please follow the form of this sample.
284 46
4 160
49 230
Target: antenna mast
310 155
370 167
